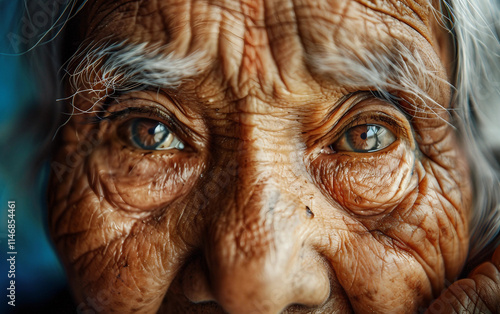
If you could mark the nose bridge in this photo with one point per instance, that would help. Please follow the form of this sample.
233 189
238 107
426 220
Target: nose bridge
254 256
258 252
247 231
262 216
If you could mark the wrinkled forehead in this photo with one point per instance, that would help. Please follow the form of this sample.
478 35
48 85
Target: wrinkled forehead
168 20
278 45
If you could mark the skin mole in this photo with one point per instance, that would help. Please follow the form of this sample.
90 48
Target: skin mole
228 118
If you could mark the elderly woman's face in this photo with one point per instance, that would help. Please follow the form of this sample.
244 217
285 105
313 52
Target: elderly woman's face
260 157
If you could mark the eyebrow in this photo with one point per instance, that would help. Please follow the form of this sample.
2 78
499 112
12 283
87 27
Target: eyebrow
393 67
122 67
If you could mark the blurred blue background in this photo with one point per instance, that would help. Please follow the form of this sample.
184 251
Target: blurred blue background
39 276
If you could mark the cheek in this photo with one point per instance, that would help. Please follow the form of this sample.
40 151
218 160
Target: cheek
413 210
104 215
431 224
91 237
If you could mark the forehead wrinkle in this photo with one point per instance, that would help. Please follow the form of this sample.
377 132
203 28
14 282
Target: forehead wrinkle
99 12
360 52
404 11
359 69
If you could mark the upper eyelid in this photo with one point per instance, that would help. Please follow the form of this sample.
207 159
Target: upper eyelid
387 96
147 112
393 100
369 118
112 115
354 99
166 108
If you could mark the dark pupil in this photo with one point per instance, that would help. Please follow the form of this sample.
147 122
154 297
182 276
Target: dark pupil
363 136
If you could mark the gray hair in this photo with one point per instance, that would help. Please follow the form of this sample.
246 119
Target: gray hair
475 27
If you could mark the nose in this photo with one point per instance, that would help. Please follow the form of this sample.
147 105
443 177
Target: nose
262 261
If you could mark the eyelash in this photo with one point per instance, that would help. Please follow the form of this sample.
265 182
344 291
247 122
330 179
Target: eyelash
145 112
382 95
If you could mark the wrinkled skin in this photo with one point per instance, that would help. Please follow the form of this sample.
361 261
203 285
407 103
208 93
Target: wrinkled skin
259 214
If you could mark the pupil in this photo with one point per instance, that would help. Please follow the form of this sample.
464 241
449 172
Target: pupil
151 131
363 136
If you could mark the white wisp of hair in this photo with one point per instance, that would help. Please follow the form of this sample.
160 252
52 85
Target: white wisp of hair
395 69
114 68
476 27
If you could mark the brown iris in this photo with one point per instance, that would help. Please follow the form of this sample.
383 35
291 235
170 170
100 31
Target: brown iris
364 138
150 134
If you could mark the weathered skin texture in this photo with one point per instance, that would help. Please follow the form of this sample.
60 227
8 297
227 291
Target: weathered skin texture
259 214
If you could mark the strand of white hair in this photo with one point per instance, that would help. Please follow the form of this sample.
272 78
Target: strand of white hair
476 27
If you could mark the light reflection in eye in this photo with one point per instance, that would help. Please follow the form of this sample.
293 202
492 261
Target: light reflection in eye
364 138
150 134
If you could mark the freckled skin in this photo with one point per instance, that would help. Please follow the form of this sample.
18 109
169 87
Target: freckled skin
223 225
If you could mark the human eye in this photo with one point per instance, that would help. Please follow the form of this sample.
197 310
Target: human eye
144 126
144 145
366 158
365 138
149 134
